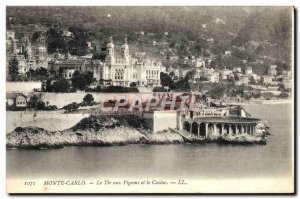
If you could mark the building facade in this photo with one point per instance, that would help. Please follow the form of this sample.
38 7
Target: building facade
272 70
28 55
66 67
123 70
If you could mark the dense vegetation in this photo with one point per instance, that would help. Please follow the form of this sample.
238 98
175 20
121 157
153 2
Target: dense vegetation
259 31
36 103
255 36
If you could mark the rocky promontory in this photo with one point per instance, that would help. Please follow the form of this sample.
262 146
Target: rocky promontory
109 131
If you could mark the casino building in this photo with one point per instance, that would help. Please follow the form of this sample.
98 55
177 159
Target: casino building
123 70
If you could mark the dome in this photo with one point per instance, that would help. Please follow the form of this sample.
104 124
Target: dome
125 45
29 50
110 44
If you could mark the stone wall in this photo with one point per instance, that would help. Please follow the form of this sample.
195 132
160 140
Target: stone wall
22 87
62 99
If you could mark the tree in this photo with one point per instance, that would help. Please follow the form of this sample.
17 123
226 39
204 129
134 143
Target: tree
261 80
256 94
166 80
217 91
200 45
71 107
236 77
78 44
41 105
47 85
35 36
181 85
41 71
190 75
132 84
81 81
33 102
252 81
78 81
100 56
119 89
38 74
13 69
267 95
61 86
55 41
89 77
88 99
159 89
283 95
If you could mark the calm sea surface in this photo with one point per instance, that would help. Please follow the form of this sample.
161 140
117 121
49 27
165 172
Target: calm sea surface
180 161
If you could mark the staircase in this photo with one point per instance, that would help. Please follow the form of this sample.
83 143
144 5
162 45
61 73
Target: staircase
184 137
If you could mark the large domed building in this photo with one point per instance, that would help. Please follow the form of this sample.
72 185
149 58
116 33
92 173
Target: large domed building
123 69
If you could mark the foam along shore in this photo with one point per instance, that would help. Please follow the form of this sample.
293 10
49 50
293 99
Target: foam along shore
281 101
108 131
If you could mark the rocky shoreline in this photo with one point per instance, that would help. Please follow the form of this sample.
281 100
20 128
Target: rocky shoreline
112 131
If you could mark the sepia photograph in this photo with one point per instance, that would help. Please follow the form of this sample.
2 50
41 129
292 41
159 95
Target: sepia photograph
150 99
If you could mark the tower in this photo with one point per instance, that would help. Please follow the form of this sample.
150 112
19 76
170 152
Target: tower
125 50
110 51
111 48
28 48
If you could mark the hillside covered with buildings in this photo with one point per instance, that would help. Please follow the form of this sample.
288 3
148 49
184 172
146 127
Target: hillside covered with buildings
237 52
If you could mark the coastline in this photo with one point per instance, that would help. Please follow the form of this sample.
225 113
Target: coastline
113 131
251 102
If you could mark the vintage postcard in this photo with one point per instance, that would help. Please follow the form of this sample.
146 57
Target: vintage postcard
159 99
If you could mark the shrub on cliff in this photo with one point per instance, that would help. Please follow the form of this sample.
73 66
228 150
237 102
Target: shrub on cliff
71 107
119 89
88 99
159 89
97 122
35 103
58 86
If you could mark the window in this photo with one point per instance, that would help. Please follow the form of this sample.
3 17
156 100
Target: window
119 73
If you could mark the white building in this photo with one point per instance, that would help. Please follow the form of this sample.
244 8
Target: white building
237 69
287 73
227 52
287 83
248 71
36 55
272 70
244 79
66 67
209 74
200 62
225 73
67 33
255 77
124 69
268 79
214 77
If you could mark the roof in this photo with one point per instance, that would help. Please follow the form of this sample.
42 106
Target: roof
226 119
14 95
